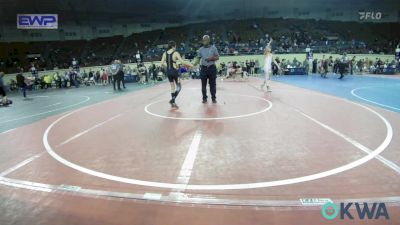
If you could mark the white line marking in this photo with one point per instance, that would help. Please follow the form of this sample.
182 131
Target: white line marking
8 131
393 200
19 165
152 196
314 201
42 113
52 105
146 109
356 163
88 130
26 185
353 92
353 142
187 166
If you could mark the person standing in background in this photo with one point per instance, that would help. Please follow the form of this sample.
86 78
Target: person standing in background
75 64
153 72
309 58
142 72
21 83
257 66
324 67
275 68
57 79
139 57
247 66
352 64
73 78
104 77
34 71
314 66
269 60
4 100
397 57
360 65
252 67
342 66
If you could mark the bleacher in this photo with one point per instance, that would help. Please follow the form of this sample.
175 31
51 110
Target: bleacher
231 37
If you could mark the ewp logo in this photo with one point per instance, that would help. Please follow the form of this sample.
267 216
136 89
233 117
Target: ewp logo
330 211
37 21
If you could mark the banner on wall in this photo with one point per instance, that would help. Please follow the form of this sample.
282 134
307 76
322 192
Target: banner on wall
37 21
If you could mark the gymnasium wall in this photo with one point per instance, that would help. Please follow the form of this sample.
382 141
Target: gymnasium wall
9 33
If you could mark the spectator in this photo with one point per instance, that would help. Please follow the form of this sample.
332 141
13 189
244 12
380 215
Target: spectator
4 100
252 67
21 83
104 77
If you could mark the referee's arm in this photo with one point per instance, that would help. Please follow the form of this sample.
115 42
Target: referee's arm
215 57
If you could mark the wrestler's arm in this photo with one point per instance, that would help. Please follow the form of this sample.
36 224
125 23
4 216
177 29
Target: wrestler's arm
179 59
163 60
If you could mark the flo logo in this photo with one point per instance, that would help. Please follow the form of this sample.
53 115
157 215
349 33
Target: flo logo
370 15
364 211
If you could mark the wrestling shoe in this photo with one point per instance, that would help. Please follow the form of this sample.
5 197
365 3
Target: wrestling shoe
174 106
171 102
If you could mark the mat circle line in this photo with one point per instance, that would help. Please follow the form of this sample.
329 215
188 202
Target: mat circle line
346 167
146 109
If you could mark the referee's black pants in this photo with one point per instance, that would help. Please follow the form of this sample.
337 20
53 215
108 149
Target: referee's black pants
116 80
121 77
209 73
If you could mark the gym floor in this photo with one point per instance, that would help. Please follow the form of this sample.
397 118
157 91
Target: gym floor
94 156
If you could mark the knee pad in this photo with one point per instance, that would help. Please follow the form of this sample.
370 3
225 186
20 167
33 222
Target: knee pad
178 87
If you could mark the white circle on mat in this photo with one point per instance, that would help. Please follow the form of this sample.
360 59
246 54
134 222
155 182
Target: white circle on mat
295 180
146 109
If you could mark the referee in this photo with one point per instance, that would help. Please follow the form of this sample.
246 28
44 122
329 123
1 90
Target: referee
116 72
121 74
207 55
